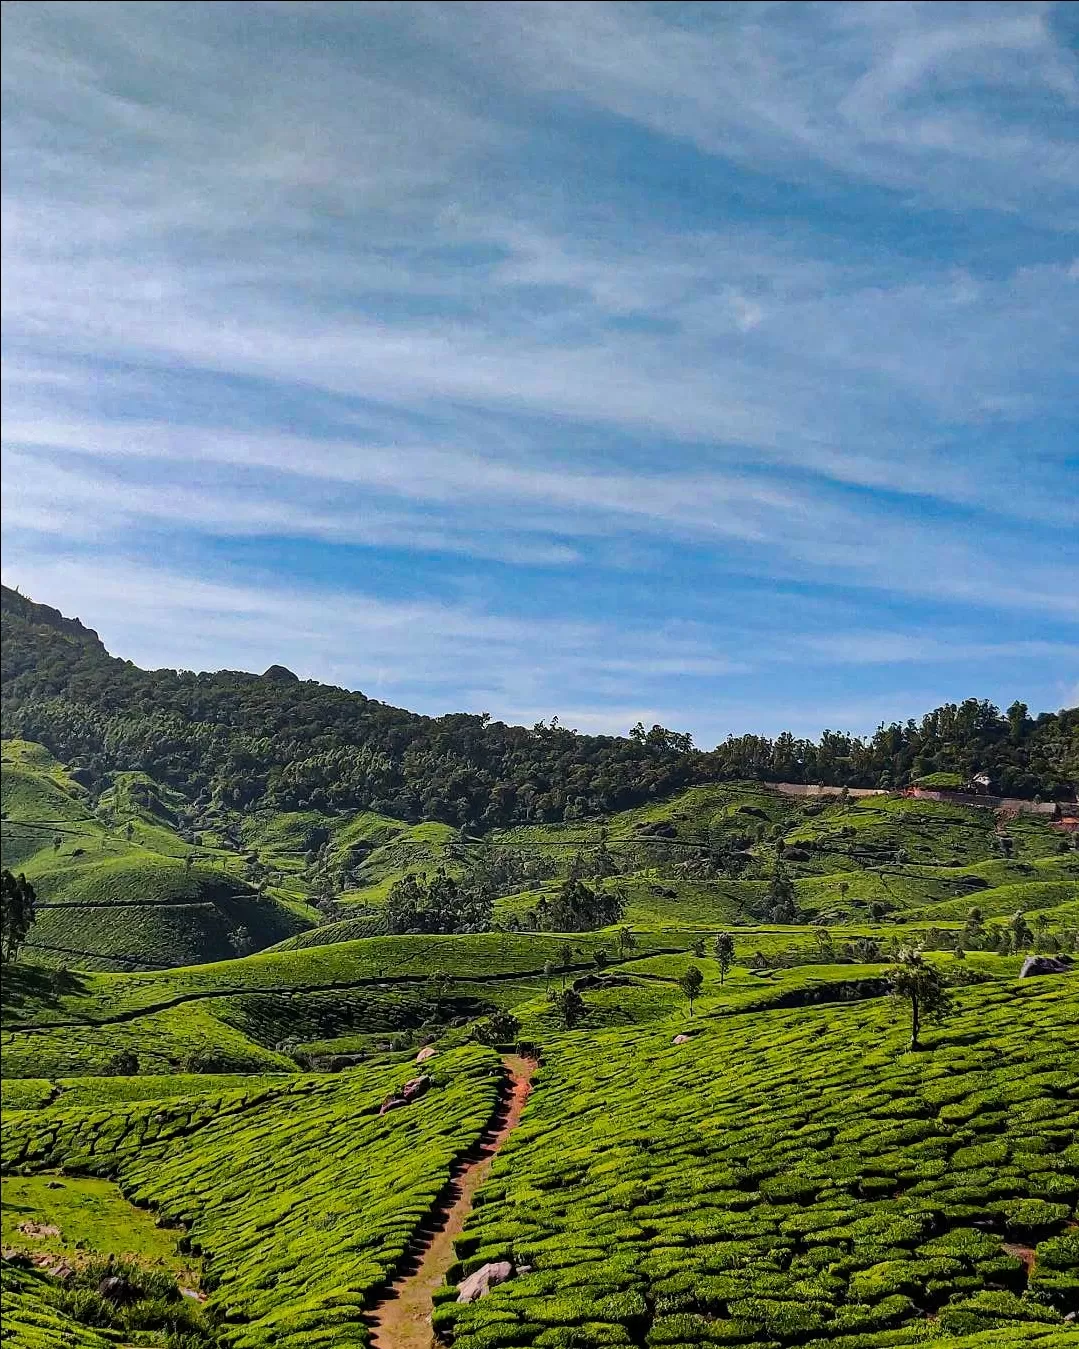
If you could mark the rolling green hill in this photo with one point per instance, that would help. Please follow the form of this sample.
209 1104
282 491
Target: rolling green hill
245 1085
140 879
784 1176
117 885
784 1179
278 743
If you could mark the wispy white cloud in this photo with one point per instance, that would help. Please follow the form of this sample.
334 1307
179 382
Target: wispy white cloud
371 495
653 301
885 92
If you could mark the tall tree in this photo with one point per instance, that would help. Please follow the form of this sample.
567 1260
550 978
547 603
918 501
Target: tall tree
724 950
690 984
570 1006
782 905
920 984
17 911
500 1028
1020 930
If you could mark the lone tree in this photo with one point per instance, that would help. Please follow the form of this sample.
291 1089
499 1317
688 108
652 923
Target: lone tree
17 913
914 980
690 984
724 949
570 1006
439 984
626 940
825 945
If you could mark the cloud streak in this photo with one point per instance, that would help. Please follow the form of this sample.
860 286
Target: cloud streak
653 313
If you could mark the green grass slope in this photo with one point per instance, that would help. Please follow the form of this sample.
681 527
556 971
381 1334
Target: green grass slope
182 875
231 1016
786 1177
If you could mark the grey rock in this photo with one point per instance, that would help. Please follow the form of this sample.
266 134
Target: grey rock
1034 965
480 1282
115 1289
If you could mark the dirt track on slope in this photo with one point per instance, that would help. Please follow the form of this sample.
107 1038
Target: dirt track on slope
402 1319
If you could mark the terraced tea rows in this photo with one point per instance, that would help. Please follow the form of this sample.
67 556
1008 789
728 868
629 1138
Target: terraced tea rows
301 1199
785 1176
140 878
790 1178
117 885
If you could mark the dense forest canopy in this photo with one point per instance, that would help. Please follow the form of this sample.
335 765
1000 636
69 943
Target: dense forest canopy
275 741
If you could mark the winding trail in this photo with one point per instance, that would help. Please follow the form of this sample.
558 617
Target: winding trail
402 1318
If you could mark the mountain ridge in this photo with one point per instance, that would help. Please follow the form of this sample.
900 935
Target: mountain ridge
286 743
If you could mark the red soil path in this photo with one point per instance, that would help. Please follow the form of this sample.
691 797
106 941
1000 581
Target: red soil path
402 1319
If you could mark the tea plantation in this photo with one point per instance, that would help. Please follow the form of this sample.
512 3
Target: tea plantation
299 1198
784 1176
117 886
139 876
790 1178
212 1008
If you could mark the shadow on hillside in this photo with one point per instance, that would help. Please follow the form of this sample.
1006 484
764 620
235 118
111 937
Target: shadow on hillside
36 987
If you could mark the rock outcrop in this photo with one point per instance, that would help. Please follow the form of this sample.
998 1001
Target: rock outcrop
480 1282
1045 965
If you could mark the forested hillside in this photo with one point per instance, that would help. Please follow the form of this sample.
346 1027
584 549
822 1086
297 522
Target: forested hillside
276 742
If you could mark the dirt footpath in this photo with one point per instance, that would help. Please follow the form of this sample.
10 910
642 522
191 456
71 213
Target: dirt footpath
402 1320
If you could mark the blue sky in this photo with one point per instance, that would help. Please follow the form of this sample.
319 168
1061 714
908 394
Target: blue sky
708 364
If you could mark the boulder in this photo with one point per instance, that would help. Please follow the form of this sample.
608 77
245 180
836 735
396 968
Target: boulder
411 1090
392 1103
481 1281
116 1289
681 1040
1045 965
428 1052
